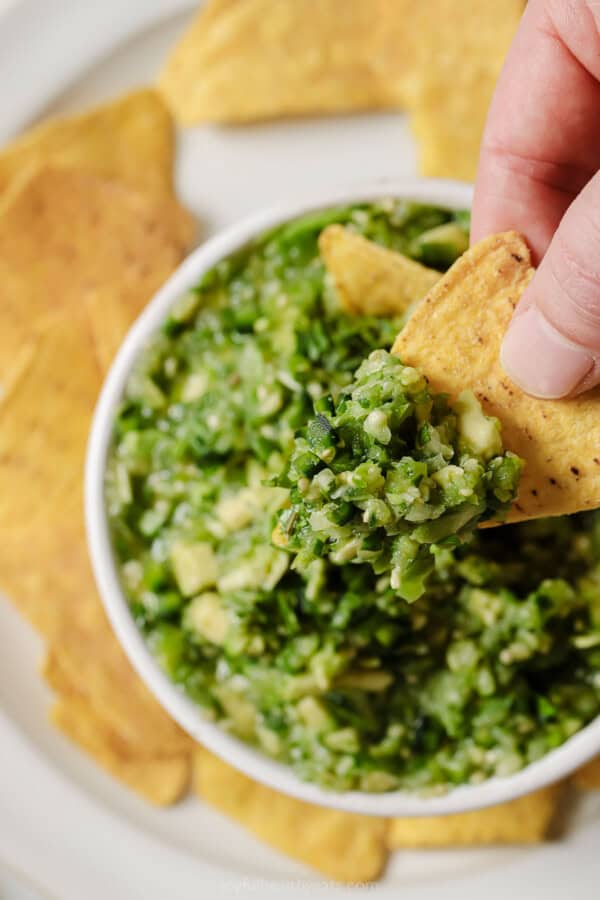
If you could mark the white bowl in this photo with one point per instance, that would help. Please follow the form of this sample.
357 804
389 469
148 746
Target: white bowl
555 765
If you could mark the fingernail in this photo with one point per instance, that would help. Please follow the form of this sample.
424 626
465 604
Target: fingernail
540 360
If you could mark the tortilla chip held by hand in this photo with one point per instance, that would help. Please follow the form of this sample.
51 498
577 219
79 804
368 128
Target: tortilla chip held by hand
454 337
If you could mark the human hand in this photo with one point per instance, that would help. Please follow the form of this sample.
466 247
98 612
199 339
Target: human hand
538 174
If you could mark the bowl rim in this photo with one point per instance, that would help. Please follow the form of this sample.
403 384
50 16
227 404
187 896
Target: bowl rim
252 762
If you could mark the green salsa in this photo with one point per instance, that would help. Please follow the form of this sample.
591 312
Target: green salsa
327 667
391 474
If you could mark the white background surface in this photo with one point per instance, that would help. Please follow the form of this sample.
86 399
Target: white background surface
67 831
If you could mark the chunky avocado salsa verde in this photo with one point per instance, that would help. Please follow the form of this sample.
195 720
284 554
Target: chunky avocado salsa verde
430 655
391 475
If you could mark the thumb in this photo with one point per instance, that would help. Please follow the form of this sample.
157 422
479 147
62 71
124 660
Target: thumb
552 346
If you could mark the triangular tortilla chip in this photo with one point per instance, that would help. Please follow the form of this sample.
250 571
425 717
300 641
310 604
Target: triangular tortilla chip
526 820
160 780
588 777
86 659
130 139
68 237
459 55
371 280
454 336
44 567
44 422
342 846
262 59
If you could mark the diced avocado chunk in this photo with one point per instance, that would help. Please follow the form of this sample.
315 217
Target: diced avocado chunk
208 618
238 709
194 566
314 715
480 432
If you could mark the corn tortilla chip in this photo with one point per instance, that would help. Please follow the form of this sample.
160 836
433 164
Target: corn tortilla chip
89 657
92 667
261 59
526 820
79 257
44 420
371 280
454 336
130 139
588 777
65 238
43 557
161 780
341 846
459 60
448 147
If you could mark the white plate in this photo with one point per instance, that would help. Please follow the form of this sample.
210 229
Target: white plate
72 831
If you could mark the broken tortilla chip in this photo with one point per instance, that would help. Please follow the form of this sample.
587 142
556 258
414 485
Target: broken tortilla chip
68 238
130 139
262 59
588 777
160 780
454 337
526 820
342 846
371 280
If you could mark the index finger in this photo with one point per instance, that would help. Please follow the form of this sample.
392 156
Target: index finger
542 140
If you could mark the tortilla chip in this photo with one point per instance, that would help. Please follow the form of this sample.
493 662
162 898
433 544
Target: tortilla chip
454 336
65 236
161 780
449 147
66 239
87 655
342 846
588 777
460 59
130 139
79 257
262 59
371 280
45 569
44 421
526 820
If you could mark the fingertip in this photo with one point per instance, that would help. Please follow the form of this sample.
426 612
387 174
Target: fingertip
539 360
